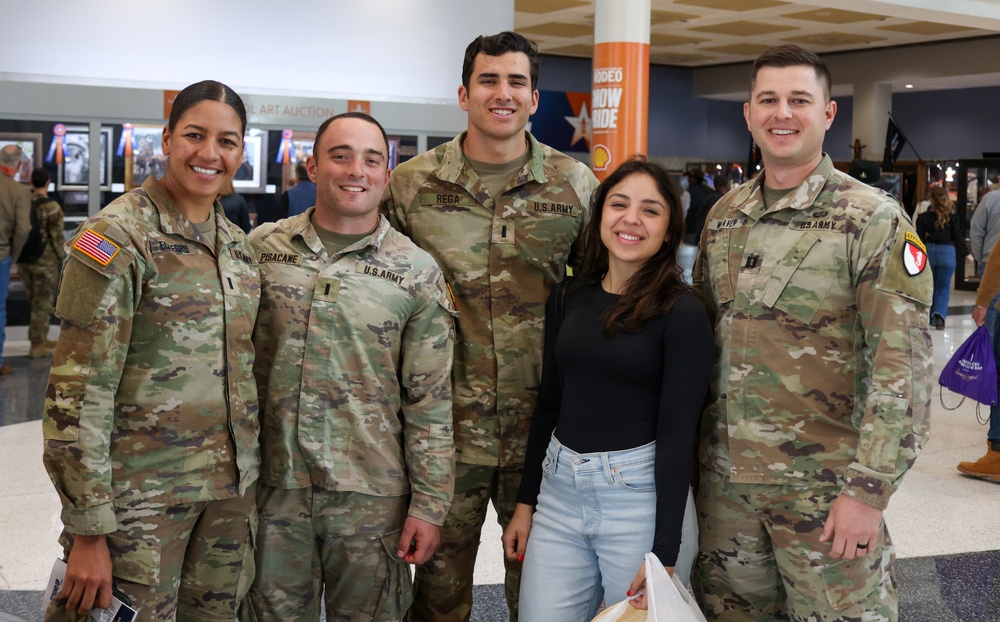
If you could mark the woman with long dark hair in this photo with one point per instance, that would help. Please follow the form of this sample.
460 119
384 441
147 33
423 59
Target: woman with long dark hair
940 230
626 370
150 420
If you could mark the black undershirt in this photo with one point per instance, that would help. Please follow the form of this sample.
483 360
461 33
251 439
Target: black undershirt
623 392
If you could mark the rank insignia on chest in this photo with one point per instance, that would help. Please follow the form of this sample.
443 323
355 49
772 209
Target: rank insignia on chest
97 247
914 254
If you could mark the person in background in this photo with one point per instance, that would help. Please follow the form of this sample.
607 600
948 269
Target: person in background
941 231
702 198
235 207
627 365
15 225
983 234
354 351
503 216
150 423
40 276
299 197
819 289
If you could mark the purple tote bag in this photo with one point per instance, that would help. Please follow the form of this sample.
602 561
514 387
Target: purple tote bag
972 371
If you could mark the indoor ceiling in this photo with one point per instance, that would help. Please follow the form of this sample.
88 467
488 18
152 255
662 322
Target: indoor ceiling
701 33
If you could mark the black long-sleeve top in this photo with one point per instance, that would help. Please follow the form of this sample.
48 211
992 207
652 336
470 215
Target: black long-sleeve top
608 394
950 233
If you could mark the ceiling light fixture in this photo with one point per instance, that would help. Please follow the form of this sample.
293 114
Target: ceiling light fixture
908 86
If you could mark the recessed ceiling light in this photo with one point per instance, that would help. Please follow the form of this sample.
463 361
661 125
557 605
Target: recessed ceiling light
908 86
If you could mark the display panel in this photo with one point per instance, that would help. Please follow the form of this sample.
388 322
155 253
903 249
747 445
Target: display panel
31 152
74 170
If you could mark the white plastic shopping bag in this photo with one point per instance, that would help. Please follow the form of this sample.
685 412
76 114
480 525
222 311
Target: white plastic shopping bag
668 600
621 612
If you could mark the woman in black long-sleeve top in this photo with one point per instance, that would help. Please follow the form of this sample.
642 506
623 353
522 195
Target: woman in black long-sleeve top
626 369
941 231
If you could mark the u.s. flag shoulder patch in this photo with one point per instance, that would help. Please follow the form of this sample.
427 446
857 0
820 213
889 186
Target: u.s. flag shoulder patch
97 247
914 254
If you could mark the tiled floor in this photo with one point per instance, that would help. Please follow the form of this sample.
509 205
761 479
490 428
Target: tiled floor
946 527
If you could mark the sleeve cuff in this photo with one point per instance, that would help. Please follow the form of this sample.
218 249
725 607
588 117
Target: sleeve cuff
428 509
93 521
869 489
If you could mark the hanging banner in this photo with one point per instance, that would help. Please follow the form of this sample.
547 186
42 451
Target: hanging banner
619 106
619 109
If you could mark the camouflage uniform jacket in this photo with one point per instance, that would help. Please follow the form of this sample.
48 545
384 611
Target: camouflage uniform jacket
151 398
50 216
824 354
501 258
354 360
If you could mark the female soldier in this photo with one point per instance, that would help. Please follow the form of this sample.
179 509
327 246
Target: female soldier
627 363
150 420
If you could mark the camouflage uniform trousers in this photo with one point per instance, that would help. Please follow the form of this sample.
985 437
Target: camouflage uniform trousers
443 586
760 558
311 538
192 562
40 283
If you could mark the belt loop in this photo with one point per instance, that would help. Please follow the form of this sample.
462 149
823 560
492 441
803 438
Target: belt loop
608 476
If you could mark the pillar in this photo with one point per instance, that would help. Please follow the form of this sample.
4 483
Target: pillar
620 91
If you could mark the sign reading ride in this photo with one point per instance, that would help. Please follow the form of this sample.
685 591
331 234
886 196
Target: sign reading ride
619 104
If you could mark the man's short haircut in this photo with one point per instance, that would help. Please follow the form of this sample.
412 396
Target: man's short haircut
301 172
39 178
350 115
498 45
10 156
792 56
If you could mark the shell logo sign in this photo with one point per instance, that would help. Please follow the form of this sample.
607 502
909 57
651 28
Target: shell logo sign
601 157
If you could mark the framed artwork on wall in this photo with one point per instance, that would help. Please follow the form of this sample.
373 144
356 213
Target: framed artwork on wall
74 172
147 156
300 148
251 176
31 152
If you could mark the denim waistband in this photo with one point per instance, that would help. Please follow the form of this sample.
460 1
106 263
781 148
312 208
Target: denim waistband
561 456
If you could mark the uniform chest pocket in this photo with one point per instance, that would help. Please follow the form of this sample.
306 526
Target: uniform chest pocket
718 268
806 277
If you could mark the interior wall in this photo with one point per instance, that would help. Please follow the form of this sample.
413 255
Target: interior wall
385 50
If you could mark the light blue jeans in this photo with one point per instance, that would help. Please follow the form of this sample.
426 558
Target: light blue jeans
992 324
943 262
4 287
686 256
592 527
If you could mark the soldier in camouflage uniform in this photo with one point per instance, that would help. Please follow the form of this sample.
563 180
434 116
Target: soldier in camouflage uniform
40 277
354 351
820 291
503 216
150 420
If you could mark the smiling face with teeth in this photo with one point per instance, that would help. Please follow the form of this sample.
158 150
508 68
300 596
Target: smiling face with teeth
204 149
499 100
350 168
788 114
634 224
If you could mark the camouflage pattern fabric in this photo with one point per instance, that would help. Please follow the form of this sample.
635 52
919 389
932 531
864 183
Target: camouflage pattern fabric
40 278
761 558
443 586
501 257
345 541
151 400
193 561
824 353
824 350
354 358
